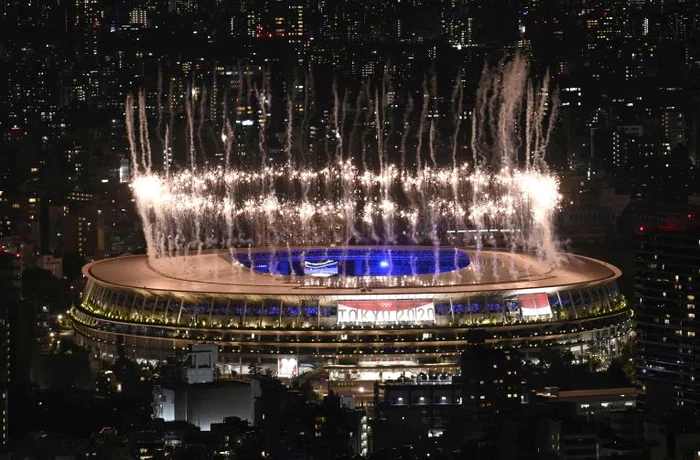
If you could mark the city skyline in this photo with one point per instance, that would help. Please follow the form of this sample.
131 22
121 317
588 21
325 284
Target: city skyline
326 229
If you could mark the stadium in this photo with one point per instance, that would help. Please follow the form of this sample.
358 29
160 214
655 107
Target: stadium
350 314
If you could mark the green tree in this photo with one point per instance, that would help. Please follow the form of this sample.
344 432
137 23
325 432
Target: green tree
40 287
626 359
255 369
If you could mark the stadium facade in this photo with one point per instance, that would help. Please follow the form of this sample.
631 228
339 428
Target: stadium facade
358 313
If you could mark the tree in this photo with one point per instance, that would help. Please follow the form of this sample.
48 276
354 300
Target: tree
557 365
255 369
72 265
268 374
41 288
622 367
307 391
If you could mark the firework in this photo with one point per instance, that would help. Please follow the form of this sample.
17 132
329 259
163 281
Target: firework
507 188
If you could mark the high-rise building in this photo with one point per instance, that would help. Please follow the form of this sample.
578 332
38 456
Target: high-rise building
491 381
10 292
298 33
667 282
414 410
456 26
139 17
674 126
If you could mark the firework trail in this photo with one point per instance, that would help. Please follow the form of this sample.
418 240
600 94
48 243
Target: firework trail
507 187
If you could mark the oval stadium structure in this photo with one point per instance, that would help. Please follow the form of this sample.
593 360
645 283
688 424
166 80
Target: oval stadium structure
352 313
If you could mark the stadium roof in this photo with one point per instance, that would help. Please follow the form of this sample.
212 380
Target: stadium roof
213 273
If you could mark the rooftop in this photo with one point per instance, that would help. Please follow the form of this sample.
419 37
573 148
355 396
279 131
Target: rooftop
213 272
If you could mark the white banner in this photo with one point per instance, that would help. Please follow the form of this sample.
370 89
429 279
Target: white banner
385 311
535 304
321 269
287 367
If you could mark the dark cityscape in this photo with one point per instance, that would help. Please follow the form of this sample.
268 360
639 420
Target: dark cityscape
333 229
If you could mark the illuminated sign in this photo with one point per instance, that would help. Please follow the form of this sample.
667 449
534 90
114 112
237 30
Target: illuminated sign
287 367
534 304
321 269
385 311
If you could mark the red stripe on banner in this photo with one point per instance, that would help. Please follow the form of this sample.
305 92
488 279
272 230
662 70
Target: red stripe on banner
538 303
384 305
